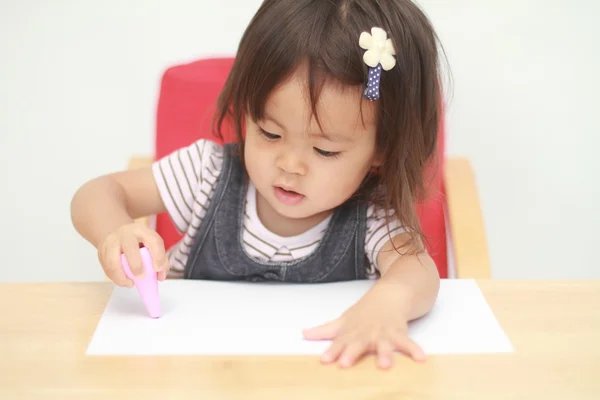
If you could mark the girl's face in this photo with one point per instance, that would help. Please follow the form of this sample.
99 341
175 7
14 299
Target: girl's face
302 172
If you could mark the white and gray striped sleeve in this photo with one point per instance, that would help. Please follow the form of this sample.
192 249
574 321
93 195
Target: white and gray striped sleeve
179 177
378 233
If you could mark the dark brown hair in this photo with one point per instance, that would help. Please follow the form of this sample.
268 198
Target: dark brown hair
324 35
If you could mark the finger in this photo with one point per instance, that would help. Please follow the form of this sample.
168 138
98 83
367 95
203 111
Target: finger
333 352
162 275
327 331
353 352
167 267
156 247
385 354
131 249
405 345
114 270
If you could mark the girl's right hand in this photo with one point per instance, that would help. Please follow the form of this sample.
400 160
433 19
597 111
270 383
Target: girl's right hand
126 240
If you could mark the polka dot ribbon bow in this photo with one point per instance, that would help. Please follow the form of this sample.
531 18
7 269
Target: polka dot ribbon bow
379 55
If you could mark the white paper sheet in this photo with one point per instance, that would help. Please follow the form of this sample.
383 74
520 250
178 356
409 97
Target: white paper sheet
225 318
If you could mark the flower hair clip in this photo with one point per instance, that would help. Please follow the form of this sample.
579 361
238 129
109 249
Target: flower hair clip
379 55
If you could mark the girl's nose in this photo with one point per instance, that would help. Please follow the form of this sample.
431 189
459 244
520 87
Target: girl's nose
292 162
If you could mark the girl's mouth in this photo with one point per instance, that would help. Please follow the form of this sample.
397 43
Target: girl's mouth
288 197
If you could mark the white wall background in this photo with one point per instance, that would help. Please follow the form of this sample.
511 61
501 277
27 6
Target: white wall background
85 75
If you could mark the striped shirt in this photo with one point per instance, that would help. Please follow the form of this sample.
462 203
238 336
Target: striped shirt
186 180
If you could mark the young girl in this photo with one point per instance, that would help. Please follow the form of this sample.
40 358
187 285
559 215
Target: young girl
336 109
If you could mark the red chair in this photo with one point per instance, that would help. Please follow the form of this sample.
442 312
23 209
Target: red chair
451 219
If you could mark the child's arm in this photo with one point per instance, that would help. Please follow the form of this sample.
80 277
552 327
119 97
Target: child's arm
414 275
103 212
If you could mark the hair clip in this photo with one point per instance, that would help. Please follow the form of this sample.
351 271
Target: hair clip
379 55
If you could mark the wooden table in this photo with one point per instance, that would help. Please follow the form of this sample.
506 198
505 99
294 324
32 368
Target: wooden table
554 326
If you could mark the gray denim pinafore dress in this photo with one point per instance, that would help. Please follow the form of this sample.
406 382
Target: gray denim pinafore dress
217 252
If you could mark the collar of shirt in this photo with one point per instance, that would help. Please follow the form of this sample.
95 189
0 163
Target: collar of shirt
296 245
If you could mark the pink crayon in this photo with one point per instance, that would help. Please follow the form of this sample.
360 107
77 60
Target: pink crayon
148 285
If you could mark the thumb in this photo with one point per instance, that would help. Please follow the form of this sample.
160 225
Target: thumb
155 245
327 331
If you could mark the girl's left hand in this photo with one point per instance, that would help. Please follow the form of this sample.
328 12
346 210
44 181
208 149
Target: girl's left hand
373 325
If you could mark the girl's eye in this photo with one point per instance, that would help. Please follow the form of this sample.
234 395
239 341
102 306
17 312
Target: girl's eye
267 135
328 154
